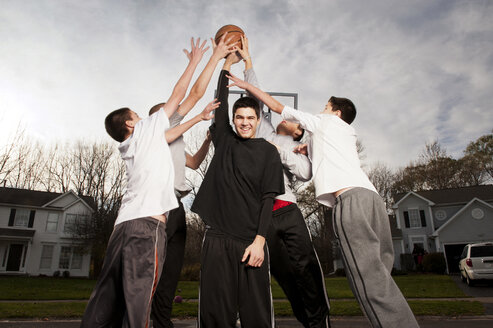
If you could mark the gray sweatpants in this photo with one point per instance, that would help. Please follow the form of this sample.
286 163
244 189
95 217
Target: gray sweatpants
131 269
361 226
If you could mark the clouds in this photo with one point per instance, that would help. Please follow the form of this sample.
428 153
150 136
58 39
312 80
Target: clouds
417 71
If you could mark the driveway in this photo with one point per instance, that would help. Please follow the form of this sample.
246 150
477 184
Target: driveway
482 292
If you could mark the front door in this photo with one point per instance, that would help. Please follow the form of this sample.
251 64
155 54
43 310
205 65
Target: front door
15 256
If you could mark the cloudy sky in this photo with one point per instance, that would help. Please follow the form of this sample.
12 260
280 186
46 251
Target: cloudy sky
417 71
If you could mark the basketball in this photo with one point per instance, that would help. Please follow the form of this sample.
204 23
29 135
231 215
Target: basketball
233 31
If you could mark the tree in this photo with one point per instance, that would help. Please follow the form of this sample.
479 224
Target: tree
479 154
319 221
434 170
94 170
383 178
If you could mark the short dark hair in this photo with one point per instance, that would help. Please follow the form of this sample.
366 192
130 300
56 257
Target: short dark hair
155 108
115 123
247 102
346 106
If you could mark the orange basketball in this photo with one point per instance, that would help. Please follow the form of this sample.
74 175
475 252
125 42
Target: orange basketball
233 31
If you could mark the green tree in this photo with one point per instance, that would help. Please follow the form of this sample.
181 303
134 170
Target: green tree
479 153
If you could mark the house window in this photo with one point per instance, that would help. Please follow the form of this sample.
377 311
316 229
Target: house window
440 215
477 213
70 257
46 256
52 222
21 218
70 221
76 258
75 222
414 218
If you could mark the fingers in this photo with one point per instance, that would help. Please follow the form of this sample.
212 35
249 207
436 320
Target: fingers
203 44
255 261
223 37
214 45
245 255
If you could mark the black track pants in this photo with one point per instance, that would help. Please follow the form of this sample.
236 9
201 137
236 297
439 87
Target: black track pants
294 264
131 269
176 231
228 286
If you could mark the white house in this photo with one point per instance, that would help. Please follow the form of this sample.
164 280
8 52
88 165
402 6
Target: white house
35 236
443 221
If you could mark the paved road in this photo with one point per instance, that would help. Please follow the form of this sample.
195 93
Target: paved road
338 322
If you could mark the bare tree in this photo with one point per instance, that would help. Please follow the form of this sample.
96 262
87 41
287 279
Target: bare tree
95 170
319 222
194 140
7 154
383 178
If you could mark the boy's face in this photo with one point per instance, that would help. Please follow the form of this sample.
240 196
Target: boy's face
245 121
291 129
328 110
134 118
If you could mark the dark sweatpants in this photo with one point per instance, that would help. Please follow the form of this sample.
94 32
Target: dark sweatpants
228 286
294 264
361 225
176 232
131 269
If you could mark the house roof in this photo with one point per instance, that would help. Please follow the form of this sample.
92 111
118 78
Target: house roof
453 195
437 232
36 198
395 232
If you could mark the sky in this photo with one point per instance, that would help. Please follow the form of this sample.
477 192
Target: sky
417 71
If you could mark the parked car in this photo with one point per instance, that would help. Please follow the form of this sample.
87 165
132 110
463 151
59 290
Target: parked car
476 262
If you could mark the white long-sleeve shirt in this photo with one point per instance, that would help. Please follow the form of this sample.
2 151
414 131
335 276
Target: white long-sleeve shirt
332 150
294 164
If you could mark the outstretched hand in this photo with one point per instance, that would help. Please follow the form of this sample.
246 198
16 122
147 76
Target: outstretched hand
237 82
224 47
207 112
197 50
244 52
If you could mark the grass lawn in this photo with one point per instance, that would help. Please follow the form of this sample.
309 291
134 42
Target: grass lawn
33 288
47 288
189 309
412 286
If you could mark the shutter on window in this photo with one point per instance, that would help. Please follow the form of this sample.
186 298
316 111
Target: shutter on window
423 219
31 219
406 219
12 217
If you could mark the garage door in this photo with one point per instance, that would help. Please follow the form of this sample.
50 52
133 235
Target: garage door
452 252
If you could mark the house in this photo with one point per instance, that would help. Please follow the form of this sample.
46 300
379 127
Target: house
443 221
36 232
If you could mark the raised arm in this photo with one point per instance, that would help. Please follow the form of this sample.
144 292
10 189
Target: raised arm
221 121
180 89
264 97
173 133
198 89
194 161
